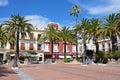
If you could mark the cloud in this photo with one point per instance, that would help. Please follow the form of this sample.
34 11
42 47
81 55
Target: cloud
98 7
3 19
113 6
110 7
3 2
39 21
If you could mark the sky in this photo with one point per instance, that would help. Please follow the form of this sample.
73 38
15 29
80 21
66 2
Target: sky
41 12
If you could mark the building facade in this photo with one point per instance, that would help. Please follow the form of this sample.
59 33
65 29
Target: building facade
58 48
29 45
104 45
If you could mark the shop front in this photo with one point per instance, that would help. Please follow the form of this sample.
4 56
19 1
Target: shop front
31 58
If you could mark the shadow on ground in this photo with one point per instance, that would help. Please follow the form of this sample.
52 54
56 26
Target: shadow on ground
5 71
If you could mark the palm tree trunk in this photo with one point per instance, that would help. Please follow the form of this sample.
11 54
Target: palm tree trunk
76 46
51 44
85 48
2 45
65 50
76 21
97 47
84 59
116 46
76 40
16 57
84 43
114 43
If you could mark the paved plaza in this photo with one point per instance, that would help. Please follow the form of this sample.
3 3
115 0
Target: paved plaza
62 72
6 73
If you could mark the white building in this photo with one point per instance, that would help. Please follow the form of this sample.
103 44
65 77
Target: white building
104 45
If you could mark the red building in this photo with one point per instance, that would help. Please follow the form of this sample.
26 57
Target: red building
58 48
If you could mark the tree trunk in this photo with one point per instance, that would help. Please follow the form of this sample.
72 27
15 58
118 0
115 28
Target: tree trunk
16 57
65 50
76 20
114 43
76 46
51 44
97 47
76 40
116 46
85 47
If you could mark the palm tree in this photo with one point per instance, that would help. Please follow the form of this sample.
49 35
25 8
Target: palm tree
75 12
118 21
5 37
65 35
82 29
95 32
21 26
112 29
50 35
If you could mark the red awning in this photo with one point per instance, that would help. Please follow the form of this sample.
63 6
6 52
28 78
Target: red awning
47 53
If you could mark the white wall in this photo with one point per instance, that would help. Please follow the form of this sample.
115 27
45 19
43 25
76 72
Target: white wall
100 46
74 48
106 46
55 48
46 48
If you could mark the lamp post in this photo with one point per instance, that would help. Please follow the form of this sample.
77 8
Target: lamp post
15 64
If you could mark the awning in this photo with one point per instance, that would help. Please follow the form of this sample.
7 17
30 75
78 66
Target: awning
12 54
47 53
23 53
27 54
66 57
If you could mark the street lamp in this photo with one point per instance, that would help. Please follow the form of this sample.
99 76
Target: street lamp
15 64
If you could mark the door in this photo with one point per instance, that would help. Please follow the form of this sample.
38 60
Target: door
1 57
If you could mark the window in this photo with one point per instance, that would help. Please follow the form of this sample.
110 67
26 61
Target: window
31 47
55 48
39 46
39 35
11 46
1 57
22 36
22 46
31 36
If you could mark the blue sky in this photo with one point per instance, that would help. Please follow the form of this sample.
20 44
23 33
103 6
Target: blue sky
41 12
